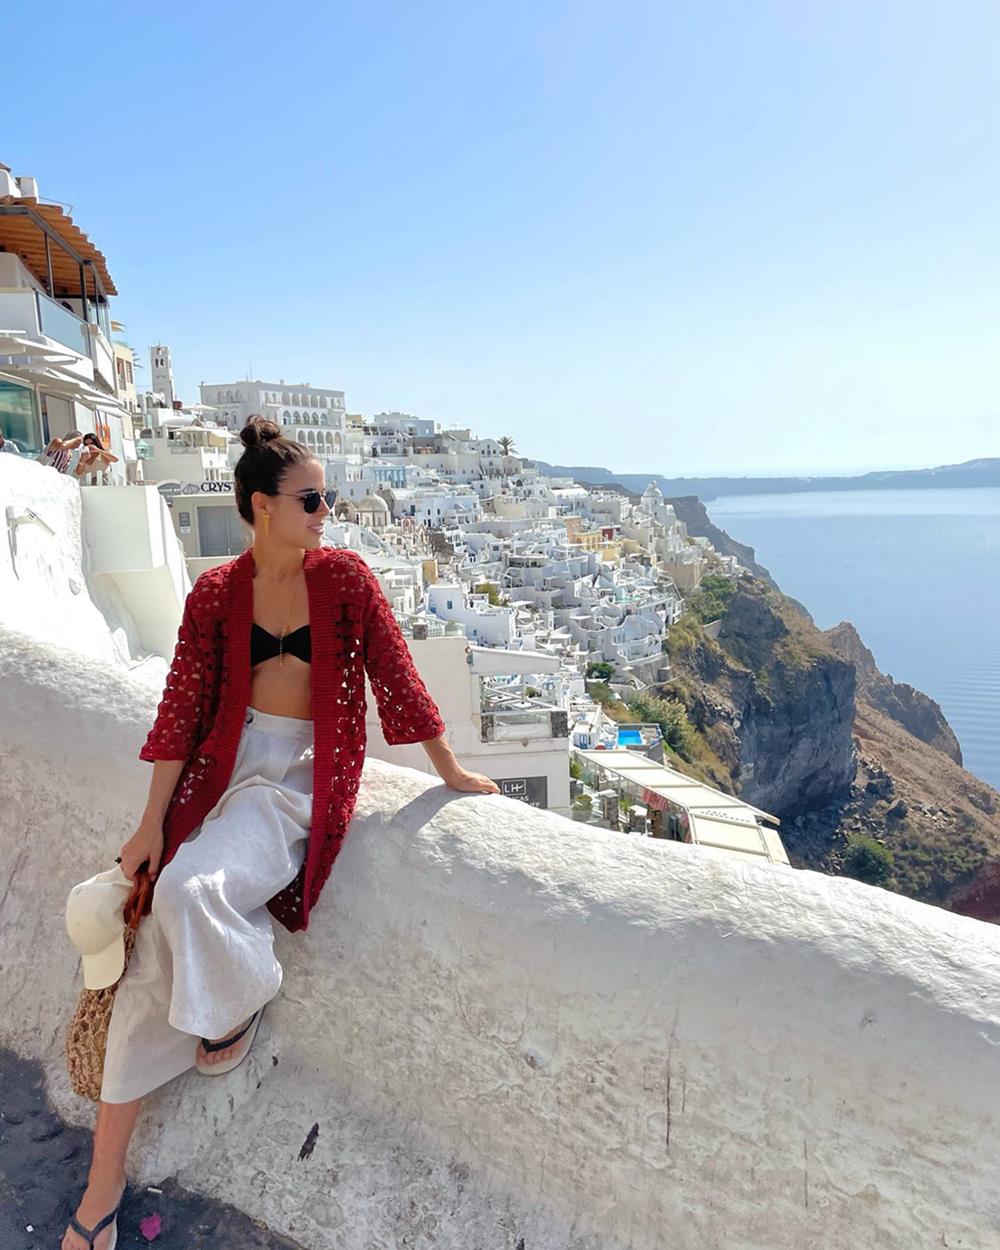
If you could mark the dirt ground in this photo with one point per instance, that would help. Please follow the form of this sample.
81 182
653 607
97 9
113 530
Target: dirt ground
43 1172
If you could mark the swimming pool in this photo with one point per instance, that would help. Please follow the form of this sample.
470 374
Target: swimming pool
629 738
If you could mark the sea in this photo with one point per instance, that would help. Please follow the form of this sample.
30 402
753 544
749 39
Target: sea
918 574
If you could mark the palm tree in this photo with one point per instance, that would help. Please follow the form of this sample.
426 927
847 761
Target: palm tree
506 444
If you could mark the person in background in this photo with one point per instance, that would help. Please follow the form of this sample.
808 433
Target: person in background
9 445
58 451
94 461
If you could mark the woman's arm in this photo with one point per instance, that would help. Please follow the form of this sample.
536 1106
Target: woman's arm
177 728
146 844
161 789
451 771
405 708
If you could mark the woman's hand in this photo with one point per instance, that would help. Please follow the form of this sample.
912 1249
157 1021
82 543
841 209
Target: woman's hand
451 771
145 843
471 783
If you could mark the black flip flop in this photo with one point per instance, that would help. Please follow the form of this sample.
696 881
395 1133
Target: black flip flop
227 1065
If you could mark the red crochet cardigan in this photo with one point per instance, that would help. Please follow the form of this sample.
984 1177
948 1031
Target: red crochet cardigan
201 715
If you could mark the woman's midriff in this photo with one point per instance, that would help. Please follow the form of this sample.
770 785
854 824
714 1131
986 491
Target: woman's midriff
282 688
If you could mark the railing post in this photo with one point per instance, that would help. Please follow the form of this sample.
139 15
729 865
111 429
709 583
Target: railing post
83 293
48 265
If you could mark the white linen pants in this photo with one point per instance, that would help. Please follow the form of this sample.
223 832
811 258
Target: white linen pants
203 960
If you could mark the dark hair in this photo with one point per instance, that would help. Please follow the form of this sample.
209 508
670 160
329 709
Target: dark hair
267 456
96 442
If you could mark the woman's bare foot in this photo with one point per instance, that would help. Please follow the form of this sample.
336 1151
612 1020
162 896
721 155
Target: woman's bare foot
217 1056
99 1200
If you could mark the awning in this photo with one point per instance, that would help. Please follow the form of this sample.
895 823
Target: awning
18 343
62 384
24 237
37 366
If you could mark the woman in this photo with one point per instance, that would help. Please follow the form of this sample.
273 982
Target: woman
94 461
257 751
58 451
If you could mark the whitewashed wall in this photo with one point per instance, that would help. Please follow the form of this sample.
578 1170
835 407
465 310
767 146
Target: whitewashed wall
503 1030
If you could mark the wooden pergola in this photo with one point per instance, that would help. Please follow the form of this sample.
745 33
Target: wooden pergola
54 248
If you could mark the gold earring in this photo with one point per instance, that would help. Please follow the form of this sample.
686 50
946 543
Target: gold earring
266 522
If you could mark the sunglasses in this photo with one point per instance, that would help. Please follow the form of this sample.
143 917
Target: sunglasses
310 499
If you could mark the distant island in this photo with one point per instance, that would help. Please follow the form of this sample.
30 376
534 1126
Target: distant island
971 473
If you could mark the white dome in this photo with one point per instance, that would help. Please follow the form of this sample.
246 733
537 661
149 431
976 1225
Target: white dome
652 491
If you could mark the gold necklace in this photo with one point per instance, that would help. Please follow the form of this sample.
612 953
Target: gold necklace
281 640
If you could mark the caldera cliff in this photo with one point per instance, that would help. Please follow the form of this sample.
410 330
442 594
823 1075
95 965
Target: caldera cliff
864 772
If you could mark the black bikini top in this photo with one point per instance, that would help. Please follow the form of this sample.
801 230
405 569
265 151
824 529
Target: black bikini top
264 646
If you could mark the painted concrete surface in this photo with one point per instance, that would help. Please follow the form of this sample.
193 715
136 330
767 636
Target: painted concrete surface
501 1025
507 1031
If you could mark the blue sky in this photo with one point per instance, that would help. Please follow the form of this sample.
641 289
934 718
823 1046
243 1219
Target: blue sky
690 237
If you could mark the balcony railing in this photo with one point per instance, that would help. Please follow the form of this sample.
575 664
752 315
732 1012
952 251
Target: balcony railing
62 325
34 313
186 450
523 725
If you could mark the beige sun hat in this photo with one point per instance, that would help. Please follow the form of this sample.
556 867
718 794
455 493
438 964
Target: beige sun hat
96 926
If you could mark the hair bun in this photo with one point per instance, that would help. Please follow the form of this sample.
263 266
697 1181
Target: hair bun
259 431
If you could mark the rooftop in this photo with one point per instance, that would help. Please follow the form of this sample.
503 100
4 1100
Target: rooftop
43 235
716 819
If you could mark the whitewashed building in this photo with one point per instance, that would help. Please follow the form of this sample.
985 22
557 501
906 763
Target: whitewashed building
57 360
482 622
313 415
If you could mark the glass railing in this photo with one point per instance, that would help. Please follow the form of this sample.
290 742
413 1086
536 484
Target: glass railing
514 726
100 315
62 325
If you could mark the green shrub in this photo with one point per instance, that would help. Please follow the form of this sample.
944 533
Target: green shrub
868 860
671 716
929 863
491 592
711 599
600 669
684 635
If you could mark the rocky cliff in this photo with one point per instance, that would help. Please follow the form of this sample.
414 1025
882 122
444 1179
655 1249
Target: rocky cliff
777 714
913 709
691 511
802 723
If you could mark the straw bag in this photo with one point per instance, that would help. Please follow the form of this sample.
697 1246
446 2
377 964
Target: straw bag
87 1035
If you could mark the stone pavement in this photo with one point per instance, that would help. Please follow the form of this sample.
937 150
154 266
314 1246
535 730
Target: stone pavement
43 1172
